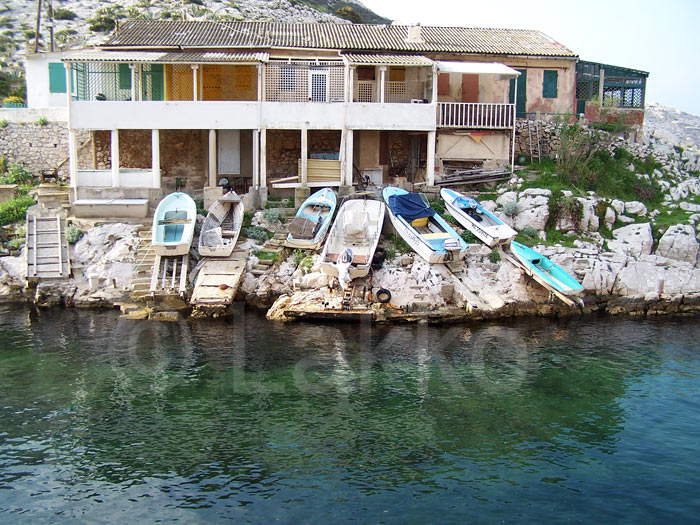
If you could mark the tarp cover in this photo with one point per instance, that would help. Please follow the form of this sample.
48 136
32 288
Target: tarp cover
410 206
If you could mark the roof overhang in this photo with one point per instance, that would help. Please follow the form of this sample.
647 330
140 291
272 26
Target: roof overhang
370 59
169 57
477 68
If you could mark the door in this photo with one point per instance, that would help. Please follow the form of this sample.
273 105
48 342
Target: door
318 85
153 82
229 149
470 88
521 103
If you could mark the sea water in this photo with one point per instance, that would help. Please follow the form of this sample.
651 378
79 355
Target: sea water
108 420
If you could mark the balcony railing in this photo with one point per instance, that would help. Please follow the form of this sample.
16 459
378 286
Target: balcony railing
475 115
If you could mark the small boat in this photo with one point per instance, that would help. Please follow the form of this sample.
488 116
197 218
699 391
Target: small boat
173 224
222 226
354 236
422 228
474 217
310 225
546 272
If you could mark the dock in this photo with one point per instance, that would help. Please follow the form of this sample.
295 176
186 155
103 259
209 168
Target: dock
217 283
48 255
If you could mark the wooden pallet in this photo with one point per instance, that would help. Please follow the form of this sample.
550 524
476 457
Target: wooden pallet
48 255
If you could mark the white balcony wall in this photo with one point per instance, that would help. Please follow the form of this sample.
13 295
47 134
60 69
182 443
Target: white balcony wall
409 117
95 178
128 178
297 115
164 115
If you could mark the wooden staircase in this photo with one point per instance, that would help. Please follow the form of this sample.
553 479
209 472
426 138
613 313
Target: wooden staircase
143 269
48 255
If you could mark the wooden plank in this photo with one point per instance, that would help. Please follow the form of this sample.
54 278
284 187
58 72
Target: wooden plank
217 272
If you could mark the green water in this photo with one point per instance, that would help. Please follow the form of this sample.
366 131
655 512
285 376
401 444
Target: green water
104 420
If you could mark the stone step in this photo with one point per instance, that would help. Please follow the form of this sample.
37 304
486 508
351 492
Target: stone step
261 267
266 262
258 272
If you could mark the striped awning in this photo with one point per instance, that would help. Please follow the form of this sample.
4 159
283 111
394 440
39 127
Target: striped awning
171 57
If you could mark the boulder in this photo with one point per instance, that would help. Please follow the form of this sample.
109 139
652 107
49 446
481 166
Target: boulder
687 206
618 206
635 208
679 243
590 221
533 209
610 216
633 240
509 196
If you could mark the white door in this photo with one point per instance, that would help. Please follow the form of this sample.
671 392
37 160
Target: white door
229 145
318 85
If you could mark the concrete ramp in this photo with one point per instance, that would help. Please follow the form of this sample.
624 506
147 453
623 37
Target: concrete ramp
217 283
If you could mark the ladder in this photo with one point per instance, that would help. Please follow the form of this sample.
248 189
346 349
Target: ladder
169 274
536 126
347 297
48 256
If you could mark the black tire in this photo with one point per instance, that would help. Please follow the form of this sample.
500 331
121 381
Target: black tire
379 257
383 295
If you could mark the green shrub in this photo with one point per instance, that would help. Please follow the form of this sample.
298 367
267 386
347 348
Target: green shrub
42 121
15 209
73 234
469 237
105 19
298 255
247 219
3 123
266 256
530 232
400 245
16 174
272 215
438 205
510 208
63 14
494 256
306 264
258 233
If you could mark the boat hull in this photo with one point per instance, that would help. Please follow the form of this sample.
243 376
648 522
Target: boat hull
488 228
545 271
326 200
221 227
362 248
434 253
173 225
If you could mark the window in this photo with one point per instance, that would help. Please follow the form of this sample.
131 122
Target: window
57 78
549 84
124 76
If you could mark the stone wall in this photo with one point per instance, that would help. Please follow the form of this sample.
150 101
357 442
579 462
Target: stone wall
283 152
549 141
34 146
182 156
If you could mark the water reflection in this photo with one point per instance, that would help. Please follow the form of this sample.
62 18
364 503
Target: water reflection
250 409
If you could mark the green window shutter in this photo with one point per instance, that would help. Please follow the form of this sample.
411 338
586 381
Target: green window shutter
124 76
57 78
549 84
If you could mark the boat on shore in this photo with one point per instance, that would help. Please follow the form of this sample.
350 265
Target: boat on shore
222 226
469 212
422 228
546 272
173 224
353 238
308 228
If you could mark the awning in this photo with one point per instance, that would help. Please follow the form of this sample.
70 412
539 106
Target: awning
370 59
170 57
477 68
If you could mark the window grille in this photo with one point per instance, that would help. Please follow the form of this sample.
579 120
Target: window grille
365 90
289 82
99 81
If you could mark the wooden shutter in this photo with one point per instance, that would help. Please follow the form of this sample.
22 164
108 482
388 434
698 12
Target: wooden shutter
549 84
443 84
124 76
470 88
57 78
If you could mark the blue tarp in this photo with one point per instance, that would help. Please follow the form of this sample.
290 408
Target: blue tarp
410 206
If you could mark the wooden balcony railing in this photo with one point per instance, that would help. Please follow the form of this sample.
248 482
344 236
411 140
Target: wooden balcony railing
475 115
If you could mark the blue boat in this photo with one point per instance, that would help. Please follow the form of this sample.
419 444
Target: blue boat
474 217
422 228
308 228
544 271
173 224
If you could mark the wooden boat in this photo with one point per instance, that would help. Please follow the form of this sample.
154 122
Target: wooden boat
357 228
546 272
310 225
474 217
222 226
173 224
422 228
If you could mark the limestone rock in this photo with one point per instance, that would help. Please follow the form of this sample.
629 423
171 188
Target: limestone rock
610 216
618 206
533 209
635 208
687 206
633 240
679 243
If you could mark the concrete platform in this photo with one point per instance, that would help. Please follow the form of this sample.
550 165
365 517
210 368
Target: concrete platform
96 208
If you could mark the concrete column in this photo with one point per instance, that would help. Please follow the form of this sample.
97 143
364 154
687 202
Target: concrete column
73 162
382 83
195 87
260 81
430 161
139 95
212 158
263 158
304 155
601 91
132 70
434 98
349 134
67 65
155 157
115 157
256 159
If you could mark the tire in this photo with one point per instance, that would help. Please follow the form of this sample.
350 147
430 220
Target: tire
383 296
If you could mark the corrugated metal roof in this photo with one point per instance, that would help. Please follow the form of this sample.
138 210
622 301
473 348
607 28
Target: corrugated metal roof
98 55
348 37
364 59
